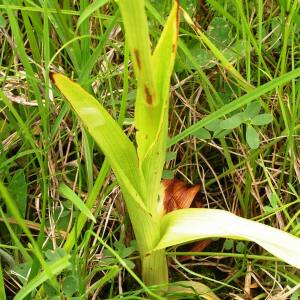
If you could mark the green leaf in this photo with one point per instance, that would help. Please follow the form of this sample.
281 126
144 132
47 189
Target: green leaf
56 268
232 122
18 191
184 288
228 244
2 21
240 247
90 9
70 285
252 110
2 285
219 134
214 125
22 271
262 119
50 291
186 225
168 174
252 137
55 255
137 34
202 134
237 103
121 155
219 32
152 121
70 195
171 155
118 149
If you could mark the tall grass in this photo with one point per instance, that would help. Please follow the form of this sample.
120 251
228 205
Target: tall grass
44 145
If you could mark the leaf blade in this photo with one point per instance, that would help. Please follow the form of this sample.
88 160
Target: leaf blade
187 225
252 137
118 149
262 119
72 196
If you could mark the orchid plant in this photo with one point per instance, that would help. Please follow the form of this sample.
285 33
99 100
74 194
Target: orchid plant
156 222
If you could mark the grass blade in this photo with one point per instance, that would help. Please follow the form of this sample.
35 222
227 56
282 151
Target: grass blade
2 287
70 195
90 9
56 267
236 104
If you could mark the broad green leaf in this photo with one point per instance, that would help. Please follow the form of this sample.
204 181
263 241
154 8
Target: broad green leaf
152 121
136 28
118 149
149 121
262 119
70 195
252 137
231 122
202 134
90 9
56 268
120 153
186 225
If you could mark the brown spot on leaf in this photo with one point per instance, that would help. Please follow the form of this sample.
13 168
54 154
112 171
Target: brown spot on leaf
178 194
137 58
173 48
149 98
51 75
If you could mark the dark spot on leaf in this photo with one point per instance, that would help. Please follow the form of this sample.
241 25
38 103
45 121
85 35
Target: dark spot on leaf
137 58
51 75
149 98
173 48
